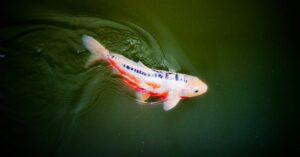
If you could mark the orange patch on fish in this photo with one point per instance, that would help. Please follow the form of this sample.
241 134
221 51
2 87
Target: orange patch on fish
153 85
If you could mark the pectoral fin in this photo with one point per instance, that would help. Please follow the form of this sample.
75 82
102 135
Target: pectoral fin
115 71
171 102
142 96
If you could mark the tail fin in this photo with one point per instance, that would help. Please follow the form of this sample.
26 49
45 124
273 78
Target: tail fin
98 51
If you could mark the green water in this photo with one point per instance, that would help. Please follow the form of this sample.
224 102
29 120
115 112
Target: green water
52 105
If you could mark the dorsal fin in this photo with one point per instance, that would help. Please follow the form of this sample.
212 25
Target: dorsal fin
172 70
141 64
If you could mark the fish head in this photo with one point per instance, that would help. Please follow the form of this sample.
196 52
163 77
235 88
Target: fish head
193 87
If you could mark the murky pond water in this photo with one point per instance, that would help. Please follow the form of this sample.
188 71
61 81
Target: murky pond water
53 105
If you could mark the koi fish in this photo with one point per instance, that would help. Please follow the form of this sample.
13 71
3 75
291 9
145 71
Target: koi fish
170 86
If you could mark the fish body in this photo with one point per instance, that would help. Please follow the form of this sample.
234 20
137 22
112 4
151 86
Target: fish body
170 86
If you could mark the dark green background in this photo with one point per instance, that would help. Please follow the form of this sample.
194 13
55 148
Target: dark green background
51 105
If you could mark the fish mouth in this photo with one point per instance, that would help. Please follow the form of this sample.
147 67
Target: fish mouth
203 88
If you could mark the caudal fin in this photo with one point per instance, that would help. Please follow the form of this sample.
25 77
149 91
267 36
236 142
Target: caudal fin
98 51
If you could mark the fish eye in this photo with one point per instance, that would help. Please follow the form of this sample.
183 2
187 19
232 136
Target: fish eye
196 91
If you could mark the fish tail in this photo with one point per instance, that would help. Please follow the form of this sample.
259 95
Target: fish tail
98 51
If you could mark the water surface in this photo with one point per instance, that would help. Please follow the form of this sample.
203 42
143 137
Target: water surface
53 105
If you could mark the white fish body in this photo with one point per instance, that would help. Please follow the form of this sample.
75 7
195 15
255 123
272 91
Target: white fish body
168 85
